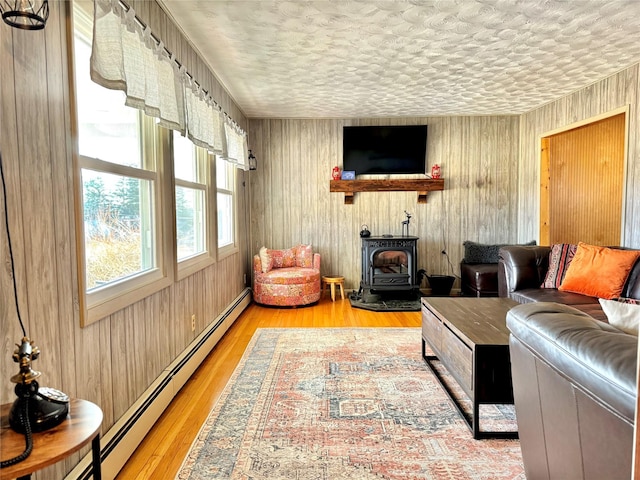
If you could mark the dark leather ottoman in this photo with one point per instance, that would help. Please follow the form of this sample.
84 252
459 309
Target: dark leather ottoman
479 279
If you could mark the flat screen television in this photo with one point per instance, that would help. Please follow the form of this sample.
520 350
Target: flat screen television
385 150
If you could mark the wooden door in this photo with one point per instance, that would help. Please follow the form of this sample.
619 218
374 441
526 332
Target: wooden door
582 184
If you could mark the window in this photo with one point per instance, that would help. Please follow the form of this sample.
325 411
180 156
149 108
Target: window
119 190
192 200
225 182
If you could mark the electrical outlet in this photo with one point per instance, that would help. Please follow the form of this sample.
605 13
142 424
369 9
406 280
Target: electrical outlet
193 322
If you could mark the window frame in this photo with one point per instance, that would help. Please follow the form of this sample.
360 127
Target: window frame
231 170
119 294
206 170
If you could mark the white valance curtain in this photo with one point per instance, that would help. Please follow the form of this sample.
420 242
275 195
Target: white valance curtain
206 123
126 56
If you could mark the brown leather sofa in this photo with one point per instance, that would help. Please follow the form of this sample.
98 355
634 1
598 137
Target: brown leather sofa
522 269
574 375
574 385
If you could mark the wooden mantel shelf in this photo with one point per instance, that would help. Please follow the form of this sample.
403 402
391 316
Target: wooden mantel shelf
422 186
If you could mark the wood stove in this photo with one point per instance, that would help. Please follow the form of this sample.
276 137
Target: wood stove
389 264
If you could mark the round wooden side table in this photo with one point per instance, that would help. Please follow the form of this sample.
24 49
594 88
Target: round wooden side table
332 281
81 426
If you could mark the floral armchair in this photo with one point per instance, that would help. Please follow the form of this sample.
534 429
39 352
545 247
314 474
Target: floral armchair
288 277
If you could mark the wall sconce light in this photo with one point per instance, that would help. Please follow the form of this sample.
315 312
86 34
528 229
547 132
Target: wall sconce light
25 14
253 163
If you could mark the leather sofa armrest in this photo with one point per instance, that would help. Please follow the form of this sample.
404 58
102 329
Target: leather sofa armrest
595 356
520 267
574 388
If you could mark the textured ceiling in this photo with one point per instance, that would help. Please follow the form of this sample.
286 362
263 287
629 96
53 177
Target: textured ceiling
287 59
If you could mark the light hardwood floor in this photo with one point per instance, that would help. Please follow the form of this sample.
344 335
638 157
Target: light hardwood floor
161 453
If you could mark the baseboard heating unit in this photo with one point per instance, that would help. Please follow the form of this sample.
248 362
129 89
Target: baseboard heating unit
119 443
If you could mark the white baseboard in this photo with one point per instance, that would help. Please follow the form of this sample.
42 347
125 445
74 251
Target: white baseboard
119 443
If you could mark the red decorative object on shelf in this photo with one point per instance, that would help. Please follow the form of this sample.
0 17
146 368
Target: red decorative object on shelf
335 173
435 171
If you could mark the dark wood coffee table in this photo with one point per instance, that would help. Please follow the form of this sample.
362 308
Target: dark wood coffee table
470 337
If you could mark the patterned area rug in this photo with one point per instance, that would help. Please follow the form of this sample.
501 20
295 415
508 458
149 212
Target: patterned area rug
343 403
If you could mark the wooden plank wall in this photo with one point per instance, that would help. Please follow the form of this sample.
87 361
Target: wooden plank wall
112 361
616 91
291 202
490 166
491 195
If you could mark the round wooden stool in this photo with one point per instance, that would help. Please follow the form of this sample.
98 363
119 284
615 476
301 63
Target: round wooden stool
332 281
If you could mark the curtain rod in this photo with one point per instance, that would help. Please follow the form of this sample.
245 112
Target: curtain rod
168 52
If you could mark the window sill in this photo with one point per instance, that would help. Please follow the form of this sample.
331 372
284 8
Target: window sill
119 299
227 251
189 266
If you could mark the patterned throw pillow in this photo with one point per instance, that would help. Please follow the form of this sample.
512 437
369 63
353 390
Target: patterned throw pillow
304 256
283 258
560 257
265 260
289 257
632 301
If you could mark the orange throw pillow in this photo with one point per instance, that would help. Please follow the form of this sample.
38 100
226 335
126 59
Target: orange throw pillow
599 271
